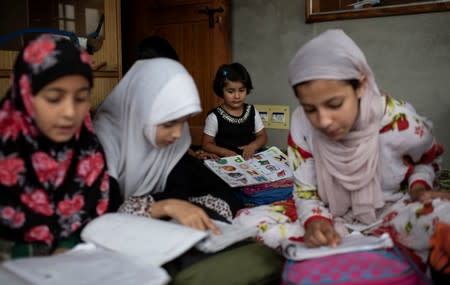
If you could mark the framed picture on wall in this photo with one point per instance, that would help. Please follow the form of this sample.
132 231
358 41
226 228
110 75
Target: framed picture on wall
329 10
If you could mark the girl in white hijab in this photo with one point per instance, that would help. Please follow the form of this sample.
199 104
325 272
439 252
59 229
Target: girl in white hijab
358 156
143 128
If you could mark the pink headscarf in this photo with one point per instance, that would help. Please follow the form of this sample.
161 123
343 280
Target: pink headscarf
347 170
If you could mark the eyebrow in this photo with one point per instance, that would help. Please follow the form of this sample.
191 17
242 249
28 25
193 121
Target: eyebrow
325 102
235 88
62 90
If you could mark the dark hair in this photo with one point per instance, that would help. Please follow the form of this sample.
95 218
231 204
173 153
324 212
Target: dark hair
232 72
155 46
49 57
355 83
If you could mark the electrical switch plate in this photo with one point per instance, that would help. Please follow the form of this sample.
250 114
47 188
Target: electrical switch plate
274 116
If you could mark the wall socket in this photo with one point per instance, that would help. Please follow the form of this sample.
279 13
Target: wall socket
274 116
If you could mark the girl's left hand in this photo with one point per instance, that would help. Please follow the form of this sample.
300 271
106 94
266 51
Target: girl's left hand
247 151
433 194
422 195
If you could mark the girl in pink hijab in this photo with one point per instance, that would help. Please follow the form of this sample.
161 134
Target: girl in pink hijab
360 157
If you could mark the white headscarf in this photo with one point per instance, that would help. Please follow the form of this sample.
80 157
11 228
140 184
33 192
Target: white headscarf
152 92
347 171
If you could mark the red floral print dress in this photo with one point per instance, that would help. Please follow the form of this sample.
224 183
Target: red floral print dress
48 191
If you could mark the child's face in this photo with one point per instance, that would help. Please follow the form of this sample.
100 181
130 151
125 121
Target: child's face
168 133
61 106
331 106
234 94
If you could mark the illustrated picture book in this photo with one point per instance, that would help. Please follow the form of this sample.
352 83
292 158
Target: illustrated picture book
267 166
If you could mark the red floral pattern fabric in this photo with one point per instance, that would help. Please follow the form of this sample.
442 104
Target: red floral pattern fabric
48 191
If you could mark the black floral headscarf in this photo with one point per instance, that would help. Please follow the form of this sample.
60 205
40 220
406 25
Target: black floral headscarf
48 190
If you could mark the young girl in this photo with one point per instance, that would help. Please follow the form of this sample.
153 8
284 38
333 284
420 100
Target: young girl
143 128
234 127
53 177
358 156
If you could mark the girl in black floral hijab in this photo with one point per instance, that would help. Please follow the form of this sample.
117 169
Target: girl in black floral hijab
53 176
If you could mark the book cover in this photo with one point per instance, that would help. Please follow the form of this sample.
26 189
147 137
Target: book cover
264 167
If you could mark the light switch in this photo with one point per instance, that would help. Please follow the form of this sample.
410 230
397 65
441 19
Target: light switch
274 116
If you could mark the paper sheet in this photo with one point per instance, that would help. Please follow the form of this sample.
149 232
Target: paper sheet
151 241
230 235
85 265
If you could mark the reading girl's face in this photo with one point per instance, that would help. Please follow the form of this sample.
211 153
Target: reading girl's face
167 133
61 106
331 106
234 94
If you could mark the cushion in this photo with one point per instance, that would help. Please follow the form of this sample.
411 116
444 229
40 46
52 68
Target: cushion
381 267
249 263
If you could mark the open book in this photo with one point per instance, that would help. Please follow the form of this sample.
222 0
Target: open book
84 264
123 249
350 243
266 166
156 241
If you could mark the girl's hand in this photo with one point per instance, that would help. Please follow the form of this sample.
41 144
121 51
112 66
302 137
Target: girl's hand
189 215
201 154
321 232
420 194
247 151
428 195
227 152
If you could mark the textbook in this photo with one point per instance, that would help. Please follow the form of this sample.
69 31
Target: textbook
126 249
156 241
266 166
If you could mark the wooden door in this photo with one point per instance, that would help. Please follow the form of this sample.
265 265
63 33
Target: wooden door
202 43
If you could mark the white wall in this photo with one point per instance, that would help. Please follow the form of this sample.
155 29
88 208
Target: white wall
409 54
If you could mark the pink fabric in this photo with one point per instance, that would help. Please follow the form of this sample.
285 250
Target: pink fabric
372 267
347 171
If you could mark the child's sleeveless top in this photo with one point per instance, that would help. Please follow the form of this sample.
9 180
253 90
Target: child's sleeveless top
234 132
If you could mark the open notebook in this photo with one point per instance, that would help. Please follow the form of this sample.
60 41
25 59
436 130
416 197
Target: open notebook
85 264
156 241
350 243
124 247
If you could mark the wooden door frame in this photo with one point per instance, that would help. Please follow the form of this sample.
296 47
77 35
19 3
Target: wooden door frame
140 26
221 55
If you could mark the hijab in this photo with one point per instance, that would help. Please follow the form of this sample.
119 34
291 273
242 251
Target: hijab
48 190
347 170
154 91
